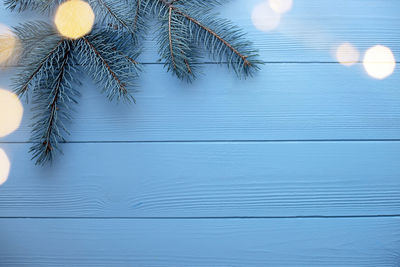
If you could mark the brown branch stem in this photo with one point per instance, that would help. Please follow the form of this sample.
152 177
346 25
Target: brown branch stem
115 16
170 37
188 66
136 15
32 76
53 104
193 20
115 77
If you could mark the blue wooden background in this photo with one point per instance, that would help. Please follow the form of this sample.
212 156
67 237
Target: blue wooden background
298 166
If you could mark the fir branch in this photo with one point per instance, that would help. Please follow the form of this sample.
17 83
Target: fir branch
137 13
170 37
121 86
223 40
107 65
131 60
179 47
108 55
40 46
193 23
26 83
53 98
53 106
198 4
49 70
174 42
32 34
140 19
41 5
115 13
216 35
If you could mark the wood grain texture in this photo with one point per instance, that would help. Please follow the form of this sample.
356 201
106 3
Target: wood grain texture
224 172
284 101
311 31
301 242
206 180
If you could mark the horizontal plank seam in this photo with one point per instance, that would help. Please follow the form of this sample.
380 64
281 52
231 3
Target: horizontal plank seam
263 62
216 141
208 217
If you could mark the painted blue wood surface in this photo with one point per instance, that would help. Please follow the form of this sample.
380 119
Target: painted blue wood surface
298 166
201 242
284 101
207 179
309 32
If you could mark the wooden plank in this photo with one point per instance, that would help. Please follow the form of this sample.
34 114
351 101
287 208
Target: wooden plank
206 179
295 101
299 242
309 32
313 29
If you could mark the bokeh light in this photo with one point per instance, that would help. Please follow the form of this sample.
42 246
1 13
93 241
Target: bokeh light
347 54
264 18
10 47
4 167
11 111
379 62
280 6
74 19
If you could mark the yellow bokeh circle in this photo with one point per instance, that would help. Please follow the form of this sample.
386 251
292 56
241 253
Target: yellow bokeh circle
11 111
281 6
4 167
74 19
347 54
379 62
10 46
264 18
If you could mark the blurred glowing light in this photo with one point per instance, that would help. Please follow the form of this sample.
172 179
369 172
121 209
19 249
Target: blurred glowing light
11 112
379 62
74 19
9 46
280 6
264 18
4 167
347 54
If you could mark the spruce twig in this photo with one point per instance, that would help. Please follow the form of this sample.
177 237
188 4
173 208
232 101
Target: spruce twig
109 55
52 104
